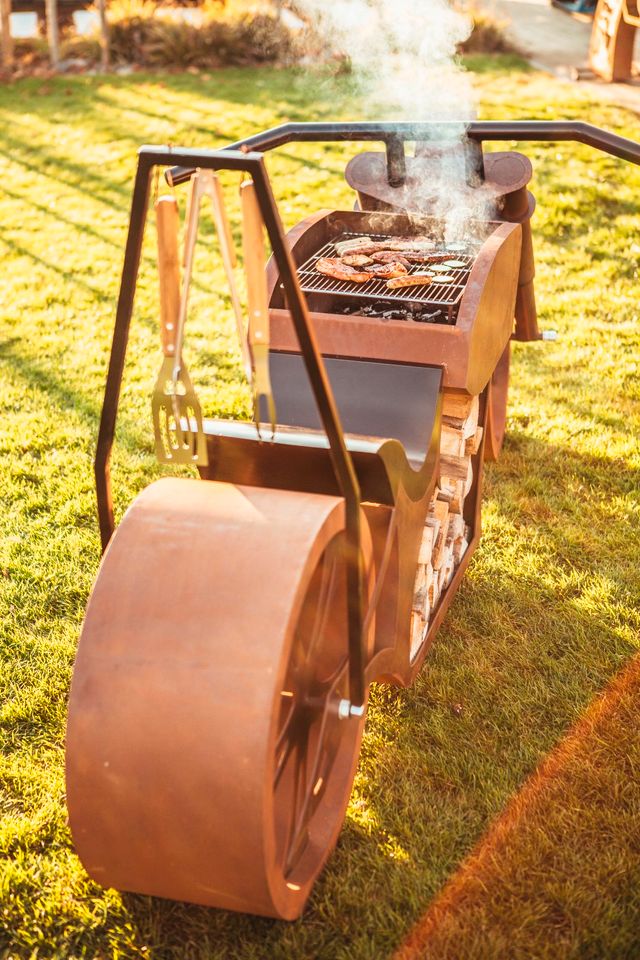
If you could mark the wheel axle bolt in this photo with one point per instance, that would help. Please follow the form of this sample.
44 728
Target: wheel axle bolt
346 709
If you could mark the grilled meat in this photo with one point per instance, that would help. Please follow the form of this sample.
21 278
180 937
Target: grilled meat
413 280
390 256
414 257
363 245
383 271
356 260
333 267
367 246
409 244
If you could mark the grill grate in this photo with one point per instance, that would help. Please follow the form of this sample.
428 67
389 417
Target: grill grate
443 295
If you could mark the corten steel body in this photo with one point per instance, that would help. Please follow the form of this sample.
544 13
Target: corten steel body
212 740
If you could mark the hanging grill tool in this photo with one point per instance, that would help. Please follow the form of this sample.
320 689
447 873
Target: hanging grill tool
255 263
177 417
213 188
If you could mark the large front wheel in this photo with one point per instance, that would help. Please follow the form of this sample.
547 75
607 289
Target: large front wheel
206 756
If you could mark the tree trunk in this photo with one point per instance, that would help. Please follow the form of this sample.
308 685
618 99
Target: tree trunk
51 7
6 43
104 33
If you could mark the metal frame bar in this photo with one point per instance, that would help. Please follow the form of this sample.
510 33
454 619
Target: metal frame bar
395 135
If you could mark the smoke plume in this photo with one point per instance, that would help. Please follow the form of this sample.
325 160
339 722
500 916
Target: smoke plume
403 60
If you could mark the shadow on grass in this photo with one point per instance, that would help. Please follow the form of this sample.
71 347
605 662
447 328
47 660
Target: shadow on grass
497 888
130 434
69 276
527 645
56 215
79 176
237 92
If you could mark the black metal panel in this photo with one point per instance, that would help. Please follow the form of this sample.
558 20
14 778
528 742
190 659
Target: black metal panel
387 400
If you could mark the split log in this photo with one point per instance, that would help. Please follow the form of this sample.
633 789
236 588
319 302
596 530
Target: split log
419 598
472 444
452 441
455 528
438 551
460 547
456 468
450 569
469 481
456 502
419 628
441 513
447 490
429 535
433 593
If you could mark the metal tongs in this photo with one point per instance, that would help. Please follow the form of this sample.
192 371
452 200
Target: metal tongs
254 341
255 263
207 183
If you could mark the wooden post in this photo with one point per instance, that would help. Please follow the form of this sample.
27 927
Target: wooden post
6 42
104 33
612 37
51 7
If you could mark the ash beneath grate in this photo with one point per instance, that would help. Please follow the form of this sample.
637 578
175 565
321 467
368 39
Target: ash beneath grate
382 311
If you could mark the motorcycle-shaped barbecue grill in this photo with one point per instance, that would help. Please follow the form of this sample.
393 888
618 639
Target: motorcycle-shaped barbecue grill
238 620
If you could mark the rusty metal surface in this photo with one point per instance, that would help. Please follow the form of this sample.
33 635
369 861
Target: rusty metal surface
504 172
177 779
467 351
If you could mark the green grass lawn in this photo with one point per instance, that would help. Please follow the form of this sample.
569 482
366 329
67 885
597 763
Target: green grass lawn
443 817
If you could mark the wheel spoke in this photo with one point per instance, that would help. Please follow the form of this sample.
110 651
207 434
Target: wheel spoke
299 777
322 686
287 724
284 754
323 606
325 747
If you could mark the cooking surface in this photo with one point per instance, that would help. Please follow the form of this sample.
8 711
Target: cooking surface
438 294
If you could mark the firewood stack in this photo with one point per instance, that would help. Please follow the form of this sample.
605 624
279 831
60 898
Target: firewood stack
446 535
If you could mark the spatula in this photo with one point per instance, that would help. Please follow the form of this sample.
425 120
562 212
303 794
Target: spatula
177 417
255 263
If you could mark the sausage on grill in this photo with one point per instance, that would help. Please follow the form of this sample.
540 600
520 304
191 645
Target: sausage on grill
414 280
